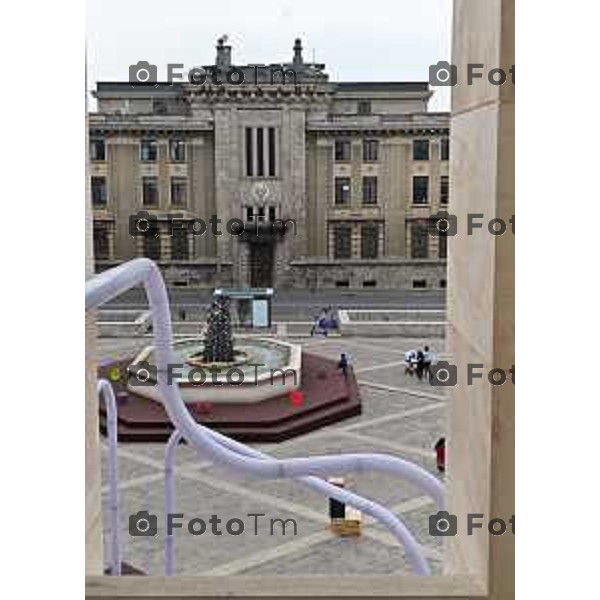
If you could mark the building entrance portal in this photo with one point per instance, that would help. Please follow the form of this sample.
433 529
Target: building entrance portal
261 264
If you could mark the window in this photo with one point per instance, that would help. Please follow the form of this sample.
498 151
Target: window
420 189
148 150
178 191
261 151
370 150
272 147
159 107
249 152
342 190
98 191
443 284
342 150
370 190
150 191
364 107
443 246
342 241
180 247
97 149
272 213
445 149
444 189
177 150
151 247
101 241
419 284
342 283
420 149
369 241
260 148
419 240
369 283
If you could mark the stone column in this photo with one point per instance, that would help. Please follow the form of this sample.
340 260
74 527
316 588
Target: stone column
481 294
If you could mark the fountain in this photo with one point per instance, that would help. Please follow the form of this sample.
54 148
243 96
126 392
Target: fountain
213 370
252 388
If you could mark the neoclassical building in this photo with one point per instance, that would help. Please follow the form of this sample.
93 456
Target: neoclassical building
321 184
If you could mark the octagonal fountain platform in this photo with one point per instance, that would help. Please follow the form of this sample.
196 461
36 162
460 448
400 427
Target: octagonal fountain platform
271 391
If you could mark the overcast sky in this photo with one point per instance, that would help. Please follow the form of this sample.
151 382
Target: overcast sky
371 40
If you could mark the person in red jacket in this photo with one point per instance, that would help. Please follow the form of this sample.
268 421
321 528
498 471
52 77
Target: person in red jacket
440 454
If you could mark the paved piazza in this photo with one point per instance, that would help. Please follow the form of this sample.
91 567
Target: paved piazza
401 416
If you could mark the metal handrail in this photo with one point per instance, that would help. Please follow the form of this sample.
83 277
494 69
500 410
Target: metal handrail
238 457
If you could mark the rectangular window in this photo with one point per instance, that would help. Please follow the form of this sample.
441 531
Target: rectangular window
342 190
419 284
260 149
101 242
369 241
177 150
98 191
178 191
444 189
364 107
342 150
419 240
370 150
272 213
272 150
97 149
420 189
249 152
159 107
151 246
342 241
148 150
420 149
443 246
370 190
150 191
180 247
445 149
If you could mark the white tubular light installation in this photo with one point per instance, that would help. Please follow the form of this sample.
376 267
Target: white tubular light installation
105 390
110 284
170 499
382 514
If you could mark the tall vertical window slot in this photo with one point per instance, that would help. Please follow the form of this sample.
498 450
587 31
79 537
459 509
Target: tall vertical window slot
260 146
272 150
249 153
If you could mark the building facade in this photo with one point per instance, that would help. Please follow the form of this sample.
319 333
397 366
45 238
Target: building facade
286 179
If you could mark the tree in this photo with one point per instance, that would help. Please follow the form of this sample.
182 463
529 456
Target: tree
218 339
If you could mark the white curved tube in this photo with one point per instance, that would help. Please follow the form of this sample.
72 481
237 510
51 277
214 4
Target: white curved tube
174 440
110 284
105 390
377 511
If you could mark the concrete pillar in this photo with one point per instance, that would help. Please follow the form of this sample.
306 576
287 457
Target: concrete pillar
481 294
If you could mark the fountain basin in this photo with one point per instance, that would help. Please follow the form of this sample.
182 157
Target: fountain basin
264 368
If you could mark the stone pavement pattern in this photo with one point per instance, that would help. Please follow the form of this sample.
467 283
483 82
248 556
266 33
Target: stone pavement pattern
400 416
